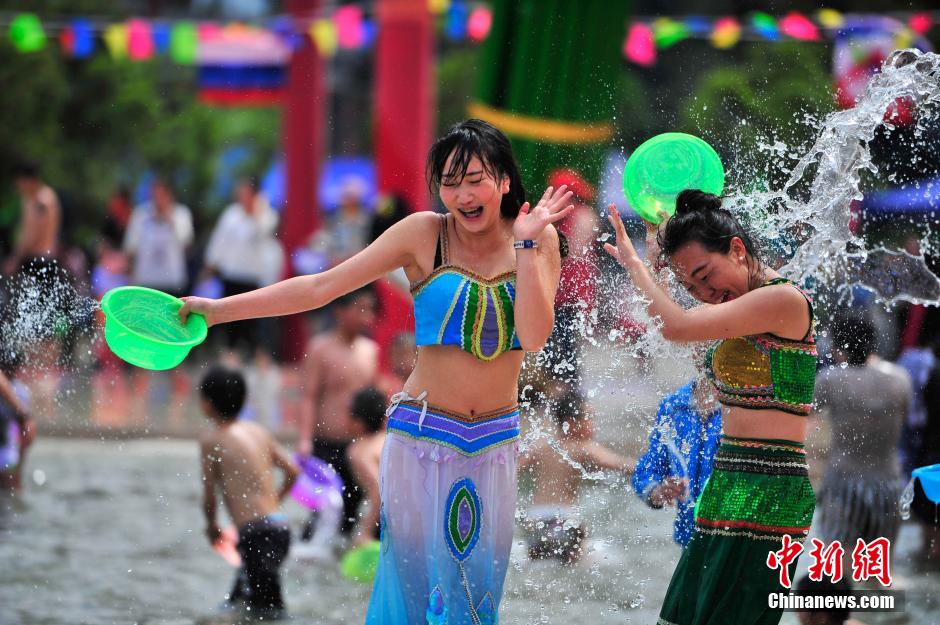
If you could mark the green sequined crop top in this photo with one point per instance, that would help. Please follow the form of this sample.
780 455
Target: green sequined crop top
766 371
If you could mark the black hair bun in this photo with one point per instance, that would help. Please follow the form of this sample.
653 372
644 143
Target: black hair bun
696 200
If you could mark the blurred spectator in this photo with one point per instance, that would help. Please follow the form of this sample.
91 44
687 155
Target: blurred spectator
17 431
346 231
390 209
158 236
37 239
338 364
929 454
919 362
236 254
41 295
117 217
575 298
866 400
678 460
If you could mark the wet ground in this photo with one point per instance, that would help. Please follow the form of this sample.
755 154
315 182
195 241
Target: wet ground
110 531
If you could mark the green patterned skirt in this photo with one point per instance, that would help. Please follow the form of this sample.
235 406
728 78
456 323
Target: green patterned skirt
758 491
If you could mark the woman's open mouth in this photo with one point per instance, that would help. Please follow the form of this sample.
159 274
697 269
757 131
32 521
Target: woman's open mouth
471 213
726 297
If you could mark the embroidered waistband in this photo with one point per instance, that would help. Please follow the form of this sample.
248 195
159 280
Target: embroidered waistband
469 434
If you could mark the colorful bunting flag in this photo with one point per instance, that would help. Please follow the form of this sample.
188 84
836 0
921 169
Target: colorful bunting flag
639 47
799 27
184 41
920 23
139 40
26 33
668 32
479 23
115 39
438 7
348 20
727 33
830 18
456 26
323 34
160 31
765 25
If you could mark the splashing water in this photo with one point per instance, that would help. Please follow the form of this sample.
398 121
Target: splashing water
808 219
825 247
40 306
907 498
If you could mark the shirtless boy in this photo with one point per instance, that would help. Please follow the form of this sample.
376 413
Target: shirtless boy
339 363
238 458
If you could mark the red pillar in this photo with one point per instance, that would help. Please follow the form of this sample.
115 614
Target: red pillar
404 98
303 146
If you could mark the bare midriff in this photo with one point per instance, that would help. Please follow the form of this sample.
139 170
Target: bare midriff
773 424
460 382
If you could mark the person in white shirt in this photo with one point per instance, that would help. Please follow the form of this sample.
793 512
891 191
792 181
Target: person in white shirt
241 251
158 236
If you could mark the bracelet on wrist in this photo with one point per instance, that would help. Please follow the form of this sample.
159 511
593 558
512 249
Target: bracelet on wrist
525 244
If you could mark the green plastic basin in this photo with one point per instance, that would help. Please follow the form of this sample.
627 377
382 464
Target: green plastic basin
142 327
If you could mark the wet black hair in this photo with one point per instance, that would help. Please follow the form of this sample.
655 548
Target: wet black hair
225 391
825 588
699 217
348 299
855 336
571 407
251 181
25 169
475 137
368 408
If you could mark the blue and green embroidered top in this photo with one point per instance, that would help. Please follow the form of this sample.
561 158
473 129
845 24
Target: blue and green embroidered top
455 306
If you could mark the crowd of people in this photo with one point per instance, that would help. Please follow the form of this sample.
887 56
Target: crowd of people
419 413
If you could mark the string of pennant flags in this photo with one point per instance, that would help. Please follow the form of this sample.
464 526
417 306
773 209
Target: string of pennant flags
353 27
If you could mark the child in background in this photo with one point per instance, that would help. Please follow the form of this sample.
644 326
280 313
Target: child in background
554 528
365 455
678 460
238 458
16 428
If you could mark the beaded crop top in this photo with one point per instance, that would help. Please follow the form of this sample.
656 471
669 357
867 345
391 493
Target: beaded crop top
766 371
455 306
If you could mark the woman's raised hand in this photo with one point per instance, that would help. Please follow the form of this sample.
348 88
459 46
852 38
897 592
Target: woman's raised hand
532 220
624 251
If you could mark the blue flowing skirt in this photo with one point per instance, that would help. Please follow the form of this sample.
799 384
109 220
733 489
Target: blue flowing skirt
448 489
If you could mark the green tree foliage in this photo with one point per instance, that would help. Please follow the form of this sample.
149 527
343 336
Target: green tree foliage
94 123
772 97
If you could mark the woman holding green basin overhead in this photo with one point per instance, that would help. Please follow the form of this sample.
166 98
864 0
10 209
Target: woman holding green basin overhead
483 279
762 365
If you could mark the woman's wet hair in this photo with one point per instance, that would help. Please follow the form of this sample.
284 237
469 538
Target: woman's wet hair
700 218
475 137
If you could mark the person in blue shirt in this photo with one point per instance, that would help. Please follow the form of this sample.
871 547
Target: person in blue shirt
678 461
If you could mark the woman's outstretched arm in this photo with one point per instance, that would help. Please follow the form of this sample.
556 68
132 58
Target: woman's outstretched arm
397 247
